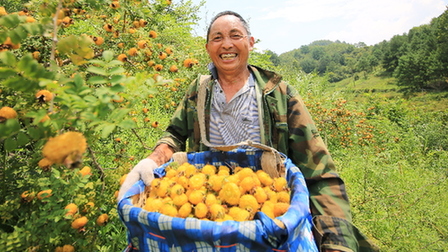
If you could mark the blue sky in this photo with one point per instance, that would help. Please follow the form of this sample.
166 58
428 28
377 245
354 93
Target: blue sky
284 25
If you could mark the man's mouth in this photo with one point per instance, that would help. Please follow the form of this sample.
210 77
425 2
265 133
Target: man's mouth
228 56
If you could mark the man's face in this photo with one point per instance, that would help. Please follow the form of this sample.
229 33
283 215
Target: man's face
229 44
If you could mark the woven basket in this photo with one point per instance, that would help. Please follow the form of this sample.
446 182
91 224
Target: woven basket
151 231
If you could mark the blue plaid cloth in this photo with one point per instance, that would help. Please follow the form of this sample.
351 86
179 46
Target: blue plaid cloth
151 231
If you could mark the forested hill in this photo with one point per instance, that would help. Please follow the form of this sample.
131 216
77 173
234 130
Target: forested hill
417 59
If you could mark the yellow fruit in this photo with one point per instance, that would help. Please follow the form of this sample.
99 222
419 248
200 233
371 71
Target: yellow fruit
71 208
280 183
174 68
249 203
184 210
280 208
27 196
115 5
239 214
88 207
158 67
190 170
268 209
176 190
7 113
230 193
122 57
170 173
247 184
210 199
245 172
85 171
162 190
200 210
264 178
133 51
209 169
183 181
102 219
260 194
44 194
223 172
283 196
196 197
153 34
162 55
153 205
141 44
98 40
168 209
79 222
180 200
65 248
44 96
197 181
215 182
217 211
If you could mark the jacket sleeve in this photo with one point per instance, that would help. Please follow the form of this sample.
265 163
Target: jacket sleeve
183 123
329 203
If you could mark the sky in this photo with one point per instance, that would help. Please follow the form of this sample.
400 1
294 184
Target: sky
285 25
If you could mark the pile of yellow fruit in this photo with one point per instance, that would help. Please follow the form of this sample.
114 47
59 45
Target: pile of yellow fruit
217 193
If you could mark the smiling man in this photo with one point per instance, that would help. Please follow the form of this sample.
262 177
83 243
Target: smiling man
244 102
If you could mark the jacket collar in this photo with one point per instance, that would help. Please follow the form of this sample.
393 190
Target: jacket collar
267 80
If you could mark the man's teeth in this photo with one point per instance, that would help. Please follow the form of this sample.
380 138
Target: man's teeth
228 56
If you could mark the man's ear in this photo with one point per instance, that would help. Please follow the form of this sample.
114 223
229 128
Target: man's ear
251 42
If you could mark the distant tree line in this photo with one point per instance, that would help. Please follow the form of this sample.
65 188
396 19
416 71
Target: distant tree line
417 59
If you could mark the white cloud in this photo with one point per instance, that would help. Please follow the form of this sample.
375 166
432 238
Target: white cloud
359 21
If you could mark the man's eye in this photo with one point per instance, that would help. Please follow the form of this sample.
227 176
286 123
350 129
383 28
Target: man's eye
217 38
236 36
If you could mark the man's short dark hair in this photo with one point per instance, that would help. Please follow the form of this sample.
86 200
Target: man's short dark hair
232 13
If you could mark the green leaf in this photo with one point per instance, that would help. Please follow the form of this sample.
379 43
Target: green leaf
117 88
10 144
91 99
21 84
108 55
117 79
119 114
35 133
97 62
127 124
107 130
22 139
96 80
97 70
117 70
10 21
6 72
8 58
34 28
78 81
11 126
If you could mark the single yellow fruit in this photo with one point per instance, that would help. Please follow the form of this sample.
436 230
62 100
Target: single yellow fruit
44 194
79 222
184 210
71 208
102 219
200 210
230 193
85 171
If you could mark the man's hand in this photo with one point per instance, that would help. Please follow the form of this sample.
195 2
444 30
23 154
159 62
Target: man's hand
144 170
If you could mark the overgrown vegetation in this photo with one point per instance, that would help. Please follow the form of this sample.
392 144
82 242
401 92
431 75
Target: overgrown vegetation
115 72
416 59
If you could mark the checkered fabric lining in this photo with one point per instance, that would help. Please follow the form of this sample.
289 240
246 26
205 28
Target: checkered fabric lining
150 231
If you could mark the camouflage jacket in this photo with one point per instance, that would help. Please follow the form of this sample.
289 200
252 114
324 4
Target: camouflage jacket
290 129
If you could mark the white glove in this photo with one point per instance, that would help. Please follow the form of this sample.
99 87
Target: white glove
144 170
